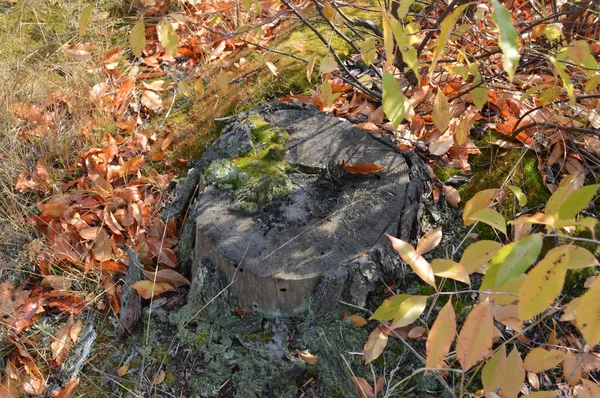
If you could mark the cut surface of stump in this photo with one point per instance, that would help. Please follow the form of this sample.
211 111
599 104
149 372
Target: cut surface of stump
331 217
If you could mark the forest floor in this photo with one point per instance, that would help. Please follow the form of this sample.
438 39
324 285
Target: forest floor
101 117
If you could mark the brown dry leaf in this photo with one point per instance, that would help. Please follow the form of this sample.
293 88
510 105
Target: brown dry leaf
69 389
102 248
151 100
429 241
513 376
476 336
167 275
441 145
452 195
147 289
56 282
417 332
308 358
364 388
62 343
90 233
375 345
167 141
160 377
533 380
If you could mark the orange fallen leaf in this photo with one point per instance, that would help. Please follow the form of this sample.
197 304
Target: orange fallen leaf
361 168
160 377
167 275
308 358
147 289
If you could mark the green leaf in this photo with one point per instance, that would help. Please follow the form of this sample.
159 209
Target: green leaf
559 196
592 83
479 253
479 92
404 309
560 63
409 311
327 94
518 194
395 104
168 37
387 310
553 31
445 32
367 51
409 53
441 112
491 217
576 201
137 38
86 18
508 38
533 90
511 261
543 283
494 369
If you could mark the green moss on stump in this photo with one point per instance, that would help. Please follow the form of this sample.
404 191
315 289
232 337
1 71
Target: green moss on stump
258 176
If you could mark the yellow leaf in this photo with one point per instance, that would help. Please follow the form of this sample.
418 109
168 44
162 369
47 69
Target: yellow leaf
580 258
147 289
328 64
429 241
587 314
375 345
441 112
445 32
479 253
409 311
388 38
419 265
167 37
450 269
137 38
494 369
441 336
223 80
199 88
537 218
480 200
513 376
462 132
543 283
368 51
476 336
539 360
491 217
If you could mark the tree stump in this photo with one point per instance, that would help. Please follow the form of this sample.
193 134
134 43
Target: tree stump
277 256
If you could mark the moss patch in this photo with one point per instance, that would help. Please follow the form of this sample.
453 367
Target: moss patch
258 176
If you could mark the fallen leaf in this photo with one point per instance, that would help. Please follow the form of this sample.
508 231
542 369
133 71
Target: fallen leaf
308 358
147 289
361 168
375 345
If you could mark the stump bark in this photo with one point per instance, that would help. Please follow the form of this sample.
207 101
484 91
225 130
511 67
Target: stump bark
277 257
